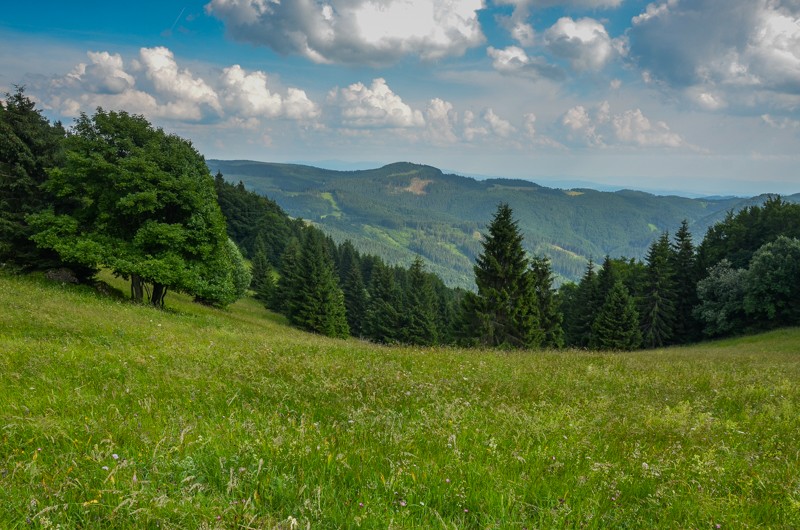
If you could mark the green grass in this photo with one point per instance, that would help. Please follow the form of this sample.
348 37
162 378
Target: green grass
122 416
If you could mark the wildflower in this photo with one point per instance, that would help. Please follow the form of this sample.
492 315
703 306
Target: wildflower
402 502
466 510
115 456
447 480
360 504
105 468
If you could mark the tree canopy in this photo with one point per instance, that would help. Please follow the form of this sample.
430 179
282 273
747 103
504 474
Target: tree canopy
141 202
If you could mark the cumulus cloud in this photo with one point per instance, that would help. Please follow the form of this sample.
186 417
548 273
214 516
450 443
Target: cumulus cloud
473 130
498 125
601 127
374 106
354 31
722 52
441 119
104 74
585 43
513 60
156 86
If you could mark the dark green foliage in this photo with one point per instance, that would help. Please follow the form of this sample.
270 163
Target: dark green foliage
658 302
261 269
550 316
772 294
683 259
721 300
739 236
286 297
141 202
419 315
29 147
254 221
383 321
606 278
319 304
616 326
503 313
410 209
580 306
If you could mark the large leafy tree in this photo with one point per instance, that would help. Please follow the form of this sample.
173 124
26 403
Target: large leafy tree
29 146
141 202
772 294
503 312
721 300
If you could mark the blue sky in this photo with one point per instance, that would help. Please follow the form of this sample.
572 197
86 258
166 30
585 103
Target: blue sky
698 96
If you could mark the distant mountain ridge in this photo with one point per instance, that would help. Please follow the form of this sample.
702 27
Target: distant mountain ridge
403 209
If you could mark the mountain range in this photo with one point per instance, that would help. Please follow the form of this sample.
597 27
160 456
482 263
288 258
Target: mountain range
404 209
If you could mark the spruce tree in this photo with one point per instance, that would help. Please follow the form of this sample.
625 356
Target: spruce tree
549 314
383 322
503 312
686 276
586 304
261 270
419 318
320 304
355 297
617 324
658 304
286 295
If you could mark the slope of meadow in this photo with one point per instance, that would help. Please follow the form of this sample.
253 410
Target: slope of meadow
121 416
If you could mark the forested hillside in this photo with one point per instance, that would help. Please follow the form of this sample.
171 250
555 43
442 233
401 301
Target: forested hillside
403 209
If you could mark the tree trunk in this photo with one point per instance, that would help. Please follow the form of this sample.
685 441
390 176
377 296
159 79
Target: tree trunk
136 288
159 292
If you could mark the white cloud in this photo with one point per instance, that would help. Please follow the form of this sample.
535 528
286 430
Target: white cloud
498 125
248 93
513 60
585 43
600 127
354 31
471 130
530 124
169 80
441 120
780 123
374 106
105 74
632 127
721 53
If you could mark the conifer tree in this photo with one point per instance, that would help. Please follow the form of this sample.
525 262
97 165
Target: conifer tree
320 304
686 276
419 317
355 298
584 309
549 314
617 324
286 295
503 312
261 270
383 322
658 305
606 279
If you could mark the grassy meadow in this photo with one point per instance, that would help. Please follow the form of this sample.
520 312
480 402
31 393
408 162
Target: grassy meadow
121 416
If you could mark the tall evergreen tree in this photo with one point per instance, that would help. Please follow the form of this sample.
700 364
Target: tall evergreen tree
286 295
355 291
606 278
658 304
419 318
261 271
320 304
383 319
29 147
686 276
549 314
617 324
503 312
584 309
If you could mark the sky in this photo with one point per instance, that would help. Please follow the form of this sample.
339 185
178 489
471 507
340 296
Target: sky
689 96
